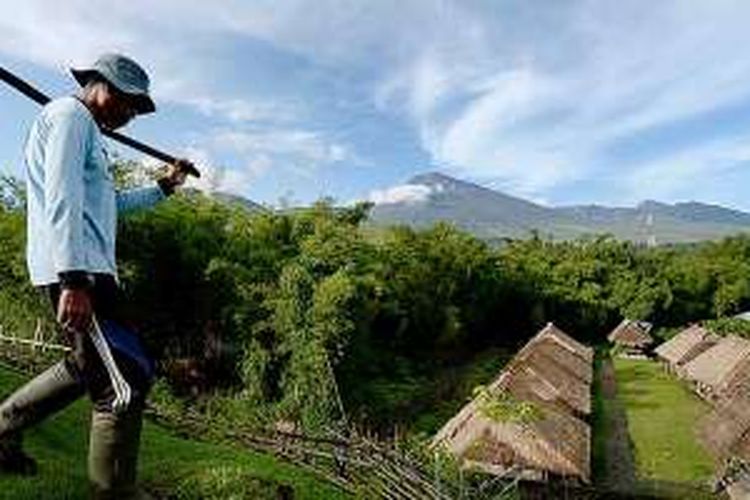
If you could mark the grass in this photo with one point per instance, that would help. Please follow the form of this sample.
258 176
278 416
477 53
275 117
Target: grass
662 414
599 427
171 466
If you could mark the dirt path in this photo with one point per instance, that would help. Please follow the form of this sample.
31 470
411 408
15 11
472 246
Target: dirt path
619 461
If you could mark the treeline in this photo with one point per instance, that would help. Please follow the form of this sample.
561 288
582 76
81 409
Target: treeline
281 301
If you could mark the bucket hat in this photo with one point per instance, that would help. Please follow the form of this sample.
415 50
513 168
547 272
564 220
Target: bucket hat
125 74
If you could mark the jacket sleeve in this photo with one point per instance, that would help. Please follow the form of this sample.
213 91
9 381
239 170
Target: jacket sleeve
67 147
144 197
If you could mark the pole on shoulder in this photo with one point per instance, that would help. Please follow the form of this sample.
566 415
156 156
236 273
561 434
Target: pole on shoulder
41 98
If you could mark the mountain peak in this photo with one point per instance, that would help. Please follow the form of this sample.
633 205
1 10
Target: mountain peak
432 178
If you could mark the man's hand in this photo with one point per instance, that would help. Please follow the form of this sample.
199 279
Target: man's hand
175 176
177 172
74 310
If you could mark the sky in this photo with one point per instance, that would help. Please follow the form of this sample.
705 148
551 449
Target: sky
286 101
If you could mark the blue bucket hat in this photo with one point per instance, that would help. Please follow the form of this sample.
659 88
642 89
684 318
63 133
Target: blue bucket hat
125 74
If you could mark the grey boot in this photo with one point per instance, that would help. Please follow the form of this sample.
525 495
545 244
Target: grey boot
47 393
113 454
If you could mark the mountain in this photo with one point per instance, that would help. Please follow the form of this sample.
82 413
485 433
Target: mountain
228 199
489 214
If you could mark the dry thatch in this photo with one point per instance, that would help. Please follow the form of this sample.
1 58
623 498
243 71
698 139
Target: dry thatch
552 442
714 369
686 345
550 331
575 357
632 334
736 383
739 490
536 376
725 431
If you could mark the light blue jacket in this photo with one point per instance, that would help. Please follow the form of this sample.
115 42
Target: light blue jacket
72 204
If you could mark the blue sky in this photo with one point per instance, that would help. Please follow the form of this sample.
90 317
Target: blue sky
579 101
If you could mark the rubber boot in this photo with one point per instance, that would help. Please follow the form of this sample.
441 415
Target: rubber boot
113 454
47 393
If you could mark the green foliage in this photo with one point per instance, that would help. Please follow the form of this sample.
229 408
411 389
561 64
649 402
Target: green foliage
310 310
501 406
729 326
131 173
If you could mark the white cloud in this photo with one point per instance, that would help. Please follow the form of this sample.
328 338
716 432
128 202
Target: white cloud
214 177
405 193
238 181
243 110
687 174
306 148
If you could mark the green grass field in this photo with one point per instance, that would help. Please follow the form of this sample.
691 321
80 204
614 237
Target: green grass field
662 414
170 466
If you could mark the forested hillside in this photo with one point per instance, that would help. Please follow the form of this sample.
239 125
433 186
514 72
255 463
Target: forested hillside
271 304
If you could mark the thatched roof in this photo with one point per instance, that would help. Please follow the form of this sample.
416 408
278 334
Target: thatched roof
553 441
686 345
739 490
725 431
537 377
553 373
736 383
634 334
575 358
550 331
715 366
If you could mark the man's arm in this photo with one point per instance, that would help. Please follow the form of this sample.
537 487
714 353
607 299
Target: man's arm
133 199
144 197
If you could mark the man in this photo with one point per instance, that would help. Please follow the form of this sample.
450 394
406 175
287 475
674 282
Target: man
72 209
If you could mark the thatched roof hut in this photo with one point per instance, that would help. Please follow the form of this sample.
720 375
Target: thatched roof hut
553 442
552 373
632 335
714 369
550 331
686 345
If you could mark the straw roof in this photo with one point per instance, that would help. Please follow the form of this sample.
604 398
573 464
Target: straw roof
686 345
554 441
546 370
724 431
550 331
716 366
531 381
739 490
631 333
741 448
576 361
737 382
